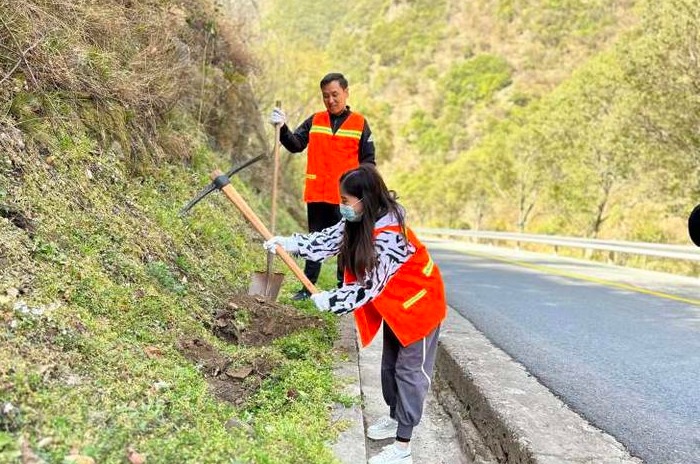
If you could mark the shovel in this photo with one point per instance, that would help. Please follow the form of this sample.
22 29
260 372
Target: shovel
267 284
222 182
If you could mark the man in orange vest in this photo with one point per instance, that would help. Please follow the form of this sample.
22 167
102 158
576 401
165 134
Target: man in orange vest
337 140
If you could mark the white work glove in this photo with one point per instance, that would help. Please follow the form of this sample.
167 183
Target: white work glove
322 300
288 243
278 117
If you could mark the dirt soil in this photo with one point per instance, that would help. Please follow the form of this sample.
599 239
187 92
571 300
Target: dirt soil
246 320
253 321
227 380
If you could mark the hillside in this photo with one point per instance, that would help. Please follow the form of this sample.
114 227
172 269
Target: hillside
544 116
123 332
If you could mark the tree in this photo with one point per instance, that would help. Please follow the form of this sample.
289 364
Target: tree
664 66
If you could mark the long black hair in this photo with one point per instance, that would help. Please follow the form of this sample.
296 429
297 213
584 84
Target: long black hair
357 252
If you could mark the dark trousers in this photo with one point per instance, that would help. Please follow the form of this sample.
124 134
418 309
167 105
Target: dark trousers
407 373
321 216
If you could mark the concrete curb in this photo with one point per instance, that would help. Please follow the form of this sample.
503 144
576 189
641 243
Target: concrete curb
350 448
518 419
435 439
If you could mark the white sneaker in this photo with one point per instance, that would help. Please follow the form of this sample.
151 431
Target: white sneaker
393 454
385 427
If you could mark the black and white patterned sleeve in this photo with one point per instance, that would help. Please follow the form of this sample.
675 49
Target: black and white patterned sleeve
318 246
392 252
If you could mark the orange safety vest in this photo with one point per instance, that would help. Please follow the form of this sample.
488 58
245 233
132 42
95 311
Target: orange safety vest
412 302
330 155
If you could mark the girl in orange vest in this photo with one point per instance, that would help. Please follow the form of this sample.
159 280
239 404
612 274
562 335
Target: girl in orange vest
390 278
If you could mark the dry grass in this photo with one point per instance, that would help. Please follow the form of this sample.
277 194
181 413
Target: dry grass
153 76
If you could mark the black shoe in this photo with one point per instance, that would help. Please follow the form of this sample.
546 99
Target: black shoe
302 294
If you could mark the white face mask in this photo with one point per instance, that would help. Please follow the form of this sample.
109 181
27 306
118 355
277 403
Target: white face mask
349 213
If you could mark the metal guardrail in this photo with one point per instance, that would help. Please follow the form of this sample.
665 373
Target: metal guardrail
659 250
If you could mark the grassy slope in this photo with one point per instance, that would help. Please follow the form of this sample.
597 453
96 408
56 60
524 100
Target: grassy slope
111 271
99 278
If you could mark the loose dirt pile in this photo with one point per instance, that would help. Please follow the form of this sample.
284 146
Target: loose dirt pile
228 381
253 321
249 321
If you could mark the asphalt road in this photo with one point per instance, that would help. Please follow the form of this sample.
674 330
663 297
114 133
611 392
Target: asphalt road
621 347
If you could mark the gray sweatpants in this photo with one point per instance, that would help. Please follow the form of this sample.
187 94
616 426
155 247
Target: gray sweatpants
406 376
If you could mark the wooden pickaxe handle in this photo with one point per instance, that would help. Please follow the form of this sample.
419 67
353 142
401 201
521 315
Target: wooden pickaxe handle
255 221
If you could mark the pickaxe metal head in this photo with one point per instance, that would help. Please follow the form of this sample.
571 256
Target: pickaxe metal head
218 183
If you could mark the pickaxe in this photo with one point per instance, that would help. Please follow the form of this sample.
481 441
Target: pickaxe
221 181
214 186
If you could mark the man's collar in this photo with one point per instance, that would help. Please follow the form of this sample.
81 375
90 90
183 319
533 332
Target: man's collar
342 113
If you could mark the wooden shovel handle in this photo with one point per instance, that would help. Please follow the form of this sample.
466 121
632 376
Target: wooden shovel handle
275 172
255 221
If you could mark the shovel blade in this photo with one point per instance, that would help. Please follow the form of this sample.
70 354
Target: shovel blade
266 285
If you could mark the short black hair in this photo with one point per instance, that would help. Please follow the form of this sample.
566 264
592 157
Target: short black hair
330 77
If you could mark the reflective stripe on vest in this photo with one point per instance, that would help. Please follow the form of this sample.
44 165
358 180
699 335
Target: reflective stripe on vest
428 269
321 130
411 301
353 134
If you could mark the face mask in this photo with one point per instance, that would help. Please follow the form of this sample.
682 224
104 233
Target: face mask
349 213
